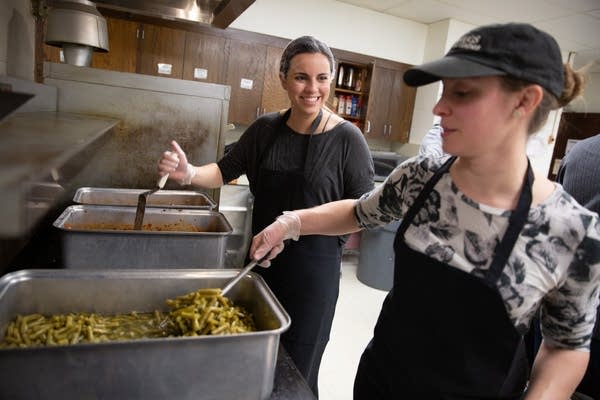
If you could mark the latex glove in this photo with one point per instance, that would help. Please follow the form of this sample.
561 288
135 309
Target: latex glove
175 164
269 241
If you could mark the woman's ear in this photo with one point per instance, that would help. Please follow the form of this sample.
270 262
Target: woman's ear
283 81
531 96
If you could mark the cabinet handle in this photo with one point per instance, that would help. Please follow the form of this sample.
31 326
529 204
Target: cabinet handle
390 130
137 33
257 112
368 128
385 130
142 33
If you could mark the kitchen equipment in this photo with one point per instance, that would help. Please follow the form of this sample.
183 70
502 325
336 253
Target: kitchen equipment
240 275
86 244
385 162
141 204
10 101
77 27
238 366
188 199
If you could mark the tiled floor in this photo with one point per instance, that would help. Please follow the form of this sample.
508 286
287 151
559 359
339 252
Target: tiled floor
356 312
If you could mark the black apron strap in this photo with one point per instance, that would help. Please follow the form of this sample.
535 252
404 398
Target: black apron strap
420 200
516 221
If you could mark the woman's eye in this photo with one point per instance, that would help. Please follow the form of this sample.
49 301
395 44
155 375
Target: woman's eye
300 78
461 93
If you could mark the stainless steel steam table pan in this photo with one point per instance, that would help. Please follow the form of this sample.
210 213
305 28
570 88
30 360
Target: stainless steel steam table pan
87 243
238 366
129 197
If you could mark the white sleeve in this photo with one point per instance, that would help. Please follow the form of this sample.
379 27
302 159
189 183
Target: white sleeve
431 144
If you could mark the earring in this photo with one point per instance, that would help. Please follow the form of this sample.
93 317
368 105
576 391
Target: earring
516 114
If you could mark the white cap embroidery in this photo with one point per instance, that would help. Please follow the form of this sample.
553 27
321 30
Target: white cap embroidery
468 42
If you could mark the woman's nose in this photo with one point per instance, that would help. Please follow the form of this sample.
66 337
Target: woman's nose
440 108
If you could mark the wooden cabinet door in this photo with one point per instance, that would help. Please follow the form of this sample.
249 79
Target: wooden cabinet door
161 51
400 111
572 126
273 98
123 46
382 82
52 54
245 75
205 58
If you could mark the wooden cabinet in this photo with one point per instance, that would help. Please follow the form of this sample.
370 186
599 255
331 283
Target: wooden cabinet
205 58
273 98
349 94
391 103
245 75
374 95
161 51
123 36
140 48
572 128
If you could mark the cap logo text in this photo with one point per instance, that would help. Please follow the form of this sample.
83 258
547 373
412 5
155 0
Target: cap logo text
468 42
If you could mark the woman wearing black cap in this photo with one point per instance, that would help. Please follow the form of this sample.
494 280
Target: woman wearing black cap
484 242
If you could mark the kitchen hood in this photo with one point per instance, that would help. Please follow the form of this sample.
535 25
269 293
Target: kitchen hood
217 13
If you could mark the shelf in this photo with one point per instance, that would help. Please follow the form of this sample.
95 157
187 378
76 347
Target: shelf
350 91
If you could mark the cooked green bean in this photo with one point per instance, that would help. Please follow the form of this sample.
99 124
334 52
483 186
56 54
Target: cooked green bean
203 312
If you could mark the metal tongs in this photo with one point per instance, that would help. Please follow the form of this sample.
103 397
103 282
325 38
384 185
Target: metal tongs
141 205
241 274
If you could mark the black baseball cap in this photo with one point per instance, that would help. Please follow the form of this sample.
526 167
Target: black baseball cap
515 49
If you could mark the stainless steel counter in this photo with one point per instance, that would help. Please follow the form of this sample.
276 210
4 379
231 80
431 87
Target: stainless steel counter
40 153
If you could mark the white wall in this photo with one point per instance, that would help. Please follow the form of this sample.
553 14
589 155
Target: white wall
340 25
17 38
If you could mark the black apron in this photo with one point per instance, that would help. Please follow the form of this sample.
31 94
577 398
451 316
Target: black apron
305 276
444 333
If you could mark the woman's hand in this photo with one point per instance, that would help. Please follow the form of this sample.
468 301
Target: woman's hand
269 242
175 164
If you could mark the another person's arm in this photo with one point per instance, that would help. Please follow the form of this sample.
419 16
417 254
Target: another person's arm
335 218
556 373
431 144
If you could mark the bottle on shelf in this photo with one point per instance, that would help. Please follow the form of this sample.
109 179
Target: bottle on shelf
348 102
342 105
358 82
350 79
354 106
341 77
335 103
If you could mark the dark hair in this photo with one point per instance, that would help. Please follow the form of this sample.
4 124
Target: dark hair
573 87
301 45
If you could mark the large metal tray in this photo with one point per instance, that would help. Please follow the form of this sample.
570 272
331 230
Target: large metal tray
129 197
239 366
83 247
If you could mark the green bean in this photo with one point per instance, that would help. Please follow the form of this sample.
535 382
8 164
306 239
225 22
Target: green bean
202 312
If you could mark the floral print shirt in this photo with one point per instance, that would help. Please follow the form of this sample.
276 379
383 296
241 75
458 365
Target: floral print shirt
554 266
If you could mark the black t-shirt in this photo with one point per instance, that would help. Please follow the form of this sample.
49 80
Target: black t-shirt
340 165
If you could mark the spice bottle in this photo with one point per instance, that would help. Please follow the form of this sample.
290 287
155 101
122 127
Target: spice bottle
340 80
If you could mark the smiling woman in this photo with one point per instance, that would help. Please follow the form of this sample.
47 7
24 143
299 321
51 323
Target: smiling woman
301 157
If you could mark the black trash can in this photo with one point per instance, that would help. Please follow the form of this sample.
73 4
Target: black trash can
376 259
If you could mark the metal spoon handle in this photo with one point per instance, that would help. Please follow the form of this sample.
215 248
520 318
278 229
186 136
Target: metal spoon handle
239 276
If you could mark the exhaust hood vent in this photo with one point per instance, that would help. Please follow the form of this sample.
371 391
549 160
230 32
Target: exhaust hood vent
77 27
217 13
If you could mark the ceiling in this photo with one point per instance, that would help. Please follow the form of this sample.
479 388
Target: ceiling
575 24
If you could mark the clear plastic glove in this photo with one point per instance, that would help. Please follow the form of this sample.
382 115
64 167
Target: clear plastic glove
175 164
269 241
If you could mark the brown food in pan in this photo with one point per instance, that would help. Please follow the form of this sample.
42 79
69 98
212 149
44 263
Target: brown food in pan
179 226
